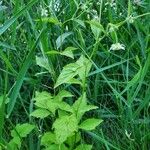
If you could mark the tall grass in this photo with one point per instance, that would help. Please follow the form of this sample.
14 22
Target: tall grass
118 82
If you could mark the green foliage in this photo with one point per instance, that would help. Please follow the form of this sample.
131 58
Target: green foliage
90 124
66 65
19 132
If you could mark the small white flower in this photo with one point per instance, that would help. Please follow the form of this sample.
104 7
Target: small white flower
84 6
117 46
44 12
130 19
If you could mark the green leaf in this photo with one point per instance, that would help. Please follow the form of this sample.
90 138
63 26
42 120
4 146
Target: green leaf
96 28
48 138
43 62
73 139
65 127
79 105
53 20
40 113
74 81
52 106
90 124
96 24
85 66
84 147
56 147
62 94
53 52
14 144
69 52
68 72
64 106
23 130
42 98
60 40
80 22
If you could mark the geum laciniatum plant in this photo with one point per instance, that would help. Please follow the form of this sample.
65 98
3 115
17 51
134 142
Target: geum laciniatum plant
67 124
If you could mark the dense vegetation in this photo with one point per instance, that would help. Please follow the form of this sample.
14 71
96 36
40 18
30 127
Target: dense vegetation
75 74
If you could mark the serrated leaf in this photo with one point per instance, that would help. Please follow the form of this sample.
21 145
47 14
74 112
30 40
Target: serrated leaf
68 72
64 106
96 28
52 106
90 124
79 105
43 62
62 94
56 147
60 40
42 98
84 147
85 66
14 143
69 52
65 127
48 138
40 113
74 81
73 139
97 25
23 130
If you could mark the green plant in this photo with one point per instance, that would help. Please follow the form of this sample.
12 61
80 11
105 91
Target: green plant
67 119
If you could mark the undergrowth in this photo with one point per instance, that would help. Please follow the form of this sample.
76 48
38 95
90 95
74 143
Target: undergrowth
74 74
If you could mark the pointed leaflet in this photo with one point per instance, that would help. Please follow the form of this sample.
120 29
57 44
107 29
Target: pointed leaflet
62 94
48 138
65 127
68 52
43 62
90 124
84 147
68 72
61 38
22 130
80 107
42 98
85 66
40 113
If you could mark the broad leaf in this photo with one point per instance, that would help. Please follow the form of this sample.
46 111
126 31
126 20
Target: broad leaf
85 66
84 147
48 138
68 72
64 106
79 105
14 143
43 62
69 52
60 40
40 113
90 124
56 147
65 127
42 98
22 130
62 94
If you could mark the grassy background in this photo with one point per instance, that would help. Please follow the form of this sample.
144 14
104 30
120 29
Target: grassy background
119 82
